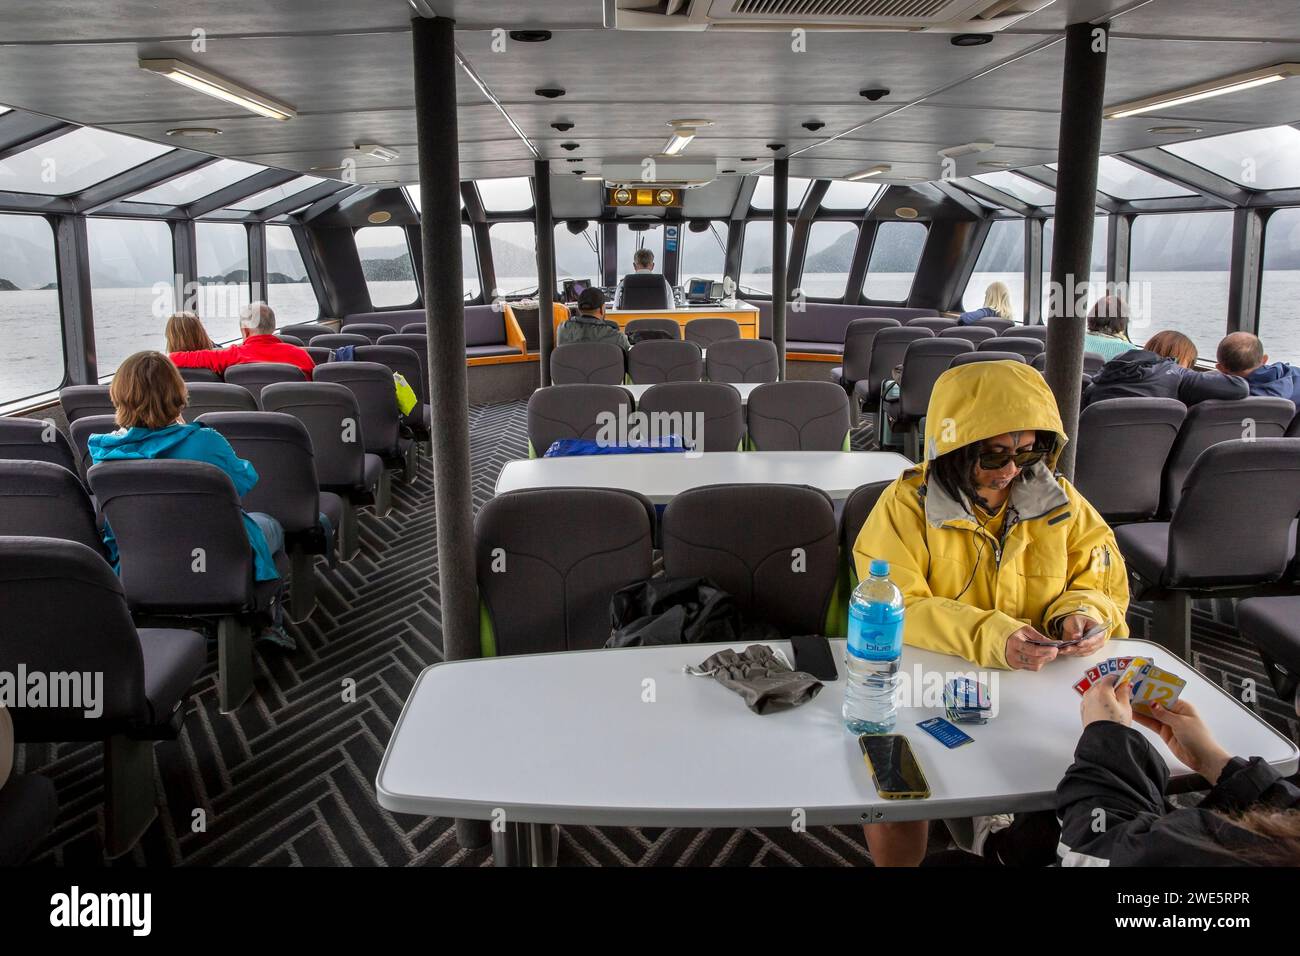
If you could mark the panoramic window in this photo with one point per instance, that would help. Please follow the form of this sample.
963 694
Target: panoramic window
894 257
74 161
269 197
796 189
413 194
471 284
202 182
826 264
1123 181
844 195
1279 319
29 308
132 283
223 277
629 242
1097 271
288 290
506 195
1026 190
756 257
1001 259
1178 276
514 258
577 255
1256 159
386 263
704 254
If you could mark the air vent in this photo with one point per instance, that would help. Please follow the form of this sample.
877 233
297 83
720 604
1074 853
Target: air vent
937 16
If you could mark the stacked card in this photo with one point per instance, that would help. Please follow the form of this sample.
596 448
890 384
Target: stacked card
967 701
1150 683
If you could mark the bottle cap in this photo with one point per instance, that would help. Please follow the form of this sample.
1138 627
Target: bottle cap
879 568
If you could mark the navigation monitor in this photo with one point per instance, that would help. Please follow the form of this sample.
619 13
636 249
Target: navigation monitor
573 288
697 290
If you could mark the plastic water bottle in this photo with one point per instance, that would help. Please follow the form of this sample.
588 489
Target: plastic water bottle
872 654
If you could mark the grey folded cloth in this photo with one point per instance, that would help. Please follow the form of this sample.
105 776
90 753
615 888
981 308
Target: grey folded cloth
762 676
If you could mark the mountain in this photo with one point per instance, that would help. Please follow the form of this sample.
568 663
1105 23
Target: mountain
835 258
28 264
7 286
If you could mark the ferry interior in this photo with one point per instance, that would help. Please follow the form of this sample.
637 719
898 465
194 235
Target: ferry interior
422 192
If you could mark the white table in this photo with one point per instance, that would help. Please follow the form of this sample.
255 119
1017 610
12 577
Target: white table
662 476
567 738
744 388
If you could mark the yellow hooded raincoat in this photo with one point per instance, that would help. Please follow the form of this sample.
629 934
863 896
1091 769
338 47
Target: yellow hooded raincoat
965 591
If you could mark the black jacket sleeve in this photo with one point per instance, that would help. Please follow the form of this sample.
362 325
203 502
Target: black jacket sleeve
1194 386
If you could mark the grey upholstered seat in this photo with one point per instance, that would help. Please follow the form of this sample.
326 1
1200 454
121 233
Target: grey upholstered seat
935 324
670 327
279 448
1214 421
415 328
306 331
1028 348
704 332
65 611
572 411
381 419
774 548
798 416
645 290
28 808
1272 624
41 499
336 340
721 422
255 376
550 559
319 355
599 363
923 363
283 337
655 361
207 374
999 325
80 432
371 330
1092 361
410 364
1122 447
858 338
207 397
975 334
887 351
857 508
79 401
1028 332
741 360
966 358
31 439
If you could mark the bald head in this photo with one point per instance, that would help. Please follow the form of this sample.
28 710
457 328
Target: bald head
1240 353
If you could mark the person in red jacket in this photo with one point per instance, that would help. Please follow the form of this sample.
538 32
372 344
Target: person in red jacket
257 325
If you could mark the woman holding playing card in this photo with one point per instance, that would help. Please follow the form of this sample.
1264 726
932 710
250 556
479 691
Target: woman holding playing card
1000 560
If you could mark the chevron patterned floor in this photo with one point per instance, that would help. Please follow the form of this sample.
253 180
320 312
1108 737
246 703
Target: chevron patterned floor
289 780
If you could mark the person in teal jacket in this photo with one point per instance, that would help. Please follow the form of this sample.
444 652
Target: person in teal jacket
1108 328
148 394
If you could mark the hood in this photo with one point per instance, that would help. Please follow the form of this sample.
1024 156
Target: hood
132 443
983 399
1276 372
1135 365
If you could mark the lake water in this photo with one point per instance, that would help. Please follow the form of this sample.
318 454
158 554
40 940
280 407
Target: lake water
128 320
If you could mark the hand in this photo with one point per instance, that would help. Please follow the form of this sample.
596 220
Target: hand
1072 627
1188 738
1105 701
1024 655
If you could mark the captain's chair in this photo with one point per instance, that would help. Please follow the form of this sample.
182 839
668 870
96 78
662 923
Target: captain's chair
645 290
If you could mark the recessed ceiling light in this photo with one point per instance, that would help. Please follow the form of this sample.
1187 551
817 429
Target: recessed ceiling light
380 215
378 152
906 212
1236 83
972 39
194 131
995 164
530 36
878 170
966 149
683 132
550 92
593 179
1175 130
325 168
205 81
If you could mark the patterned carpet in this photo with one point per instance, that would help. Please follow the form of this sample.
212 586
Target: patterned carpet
289 779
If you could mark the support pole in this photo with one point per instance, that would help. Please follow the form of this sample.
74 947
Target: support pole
1083 95
1033 272
780 292
72 256
1245 285
438 144
545 266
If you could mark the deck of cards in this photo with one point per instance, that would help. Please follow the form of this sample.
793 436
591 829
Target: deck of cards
967 701
1150 684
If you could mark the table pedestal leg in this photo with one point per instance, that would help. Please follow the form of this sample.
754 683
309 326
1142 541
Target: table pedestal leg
526 844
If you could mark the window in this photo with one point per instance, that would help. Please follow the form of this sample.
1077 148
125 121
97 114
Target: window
894 257
1002 259
1022 188
629 242
1256 159
826 265
74 161
796 188
223 277
471 283
506 195
514 258
29 308
269 197
1279 320
845 195
413 194
756 257
288 290
132 284
1117 178
577 255
386 264
1178 276
1097 270
703 254
202 182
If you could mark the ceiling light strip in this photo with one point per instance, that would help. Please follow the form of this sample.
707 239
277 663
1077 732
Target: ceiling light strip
1236 83
218 87
492 98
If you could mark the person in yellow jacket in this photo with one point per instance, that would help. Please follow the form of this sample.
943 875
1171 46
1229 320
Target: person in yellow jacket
996 555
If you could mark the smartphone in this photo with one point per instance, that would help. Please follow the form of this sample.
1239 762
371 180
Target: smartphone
894 769
812 655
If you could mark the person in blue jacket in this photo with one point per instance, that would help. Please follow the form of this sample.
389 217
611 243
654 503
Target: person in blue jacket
1242 354
148 394
997 305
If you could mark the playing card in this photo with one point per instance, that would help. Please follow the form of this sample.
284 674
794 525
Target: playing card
1083 685
1094 675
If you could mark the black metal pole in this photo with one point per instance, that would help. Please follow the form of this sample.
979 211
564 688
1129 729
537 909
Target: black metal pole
780 292
1083 94
436 136
545 265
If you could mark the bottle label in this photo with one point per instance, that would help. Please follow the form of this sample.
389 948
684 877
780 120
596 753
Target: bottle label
875 640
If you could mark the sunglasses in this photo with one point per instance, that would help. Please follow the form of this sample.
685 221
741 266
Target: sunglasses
997 460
